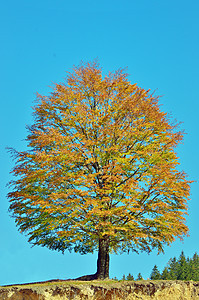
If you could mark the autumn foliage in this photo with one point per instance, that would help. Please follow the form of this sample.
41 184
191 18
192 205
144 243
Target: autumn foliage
100 171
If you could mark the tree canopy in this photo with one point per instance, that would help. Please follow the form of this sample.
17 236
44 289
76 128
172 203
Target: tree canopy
100 170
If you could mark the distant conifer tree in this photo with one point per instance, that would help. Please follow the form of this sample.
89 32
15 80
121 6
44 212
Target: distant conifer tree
155 274
173 268
165 274
123 277
139 277
129 277
194 267
115 278
182 268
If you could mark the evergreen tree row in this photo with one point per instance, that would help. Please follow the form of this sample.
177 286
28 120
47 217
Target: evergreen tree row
178 269
130 277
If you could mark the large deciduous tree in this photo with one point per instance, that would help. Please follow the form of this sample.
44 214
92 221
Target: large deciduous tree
100 170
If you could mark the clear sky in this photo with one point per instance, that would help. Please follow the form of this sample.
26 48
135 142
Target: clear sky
159 43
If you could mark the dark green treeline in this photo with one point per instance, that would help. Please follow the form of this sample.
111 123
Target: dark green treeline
176 269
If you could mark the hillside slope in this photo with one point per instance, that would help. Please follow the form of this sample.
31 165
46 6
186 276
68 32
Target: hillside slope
103 290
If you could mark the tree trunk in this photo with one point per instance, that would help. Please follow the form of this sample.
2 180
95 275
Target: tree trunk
102 262
103 259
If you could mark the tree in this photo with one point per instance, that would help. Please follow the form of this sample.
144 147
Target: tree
155 274
129 277
115 278
194 267
183 272
100 171
173 268
139 277
165 274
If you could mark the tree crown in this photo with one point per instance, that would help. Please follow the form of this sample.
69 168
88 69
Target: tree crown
100 164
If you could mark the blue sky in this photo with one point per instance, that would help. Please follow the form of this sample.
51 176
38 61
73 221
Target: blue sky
40 40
